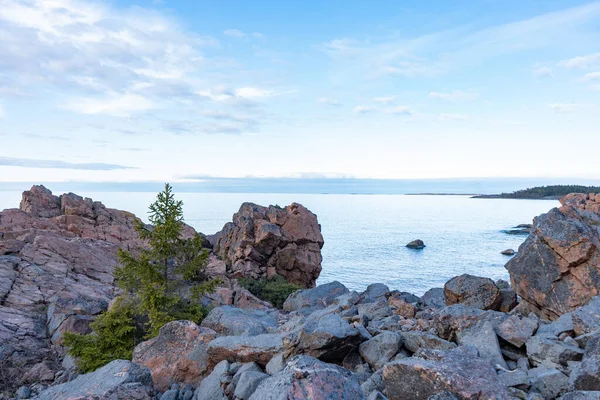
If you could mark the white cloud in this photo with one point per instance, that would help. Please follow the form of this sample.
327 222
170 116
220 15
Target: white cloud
328 101
543 72
384 99
363 109
118 105
234 33
454 95
582 62
400 110
567 108
253 93
453 117
591 76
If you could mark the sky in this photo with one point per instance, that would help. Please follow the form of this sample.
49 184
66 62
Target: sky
173 90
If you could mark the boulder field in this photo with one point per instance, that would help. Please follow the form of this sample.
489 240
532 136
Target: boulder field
472 339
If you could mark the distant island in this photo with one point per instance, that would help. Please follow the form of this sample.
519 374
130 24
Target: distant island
552 192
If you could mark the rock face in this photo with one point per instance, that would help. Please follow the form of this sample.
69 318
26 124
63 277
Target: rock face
177 355
557 268
118 379
57 255
263 242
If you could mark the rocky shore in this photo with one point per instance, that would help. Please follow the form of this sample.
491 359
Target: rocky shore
537 337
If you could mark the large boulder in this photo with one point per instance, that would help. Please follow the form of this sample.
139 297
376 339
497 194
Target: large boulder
308 378
118 379
262 242
556 268
472 291
308 300
233 321
459 371
177 355
259 349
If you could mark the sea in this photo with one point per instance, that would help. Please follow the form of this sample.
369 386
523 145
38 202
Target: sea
366 234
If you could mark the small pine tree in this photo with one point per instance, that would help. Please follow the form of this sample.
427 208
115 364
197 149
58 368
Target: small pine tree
149 277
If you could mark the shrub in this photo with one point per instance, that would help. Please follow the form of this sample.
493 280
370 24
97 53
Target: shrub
275 290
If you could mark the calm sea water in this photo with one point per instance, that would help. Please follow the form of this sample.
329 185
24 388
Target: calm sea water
365 235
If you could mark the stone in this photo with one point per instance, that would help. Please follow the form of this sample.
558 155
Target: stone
118 379
276 364
233 321
170 394
549 382
374 292
549 352
581 395
472 291
248 383
508 252
556 267
508 300
459 371
592 345
415 340
402 308
309 300
433 298
259 349
376 395
513 378
586 319
417 244
516 329
483 337
561 325
327 337
586 375
211 387
445 395
449 321
23 392
380 349
262 242
306 377
177 354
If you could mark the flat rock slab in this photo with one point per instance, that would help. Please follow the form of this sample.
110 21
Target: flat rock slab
259 349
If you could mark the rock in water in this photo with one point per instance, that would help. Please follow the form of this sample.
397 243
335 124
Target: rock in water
472 291
556 269
118 379
508 252
262 242
417 244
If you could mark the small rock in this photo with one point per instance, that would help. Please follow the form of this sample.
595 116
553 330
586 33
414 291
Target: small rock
417 244
211 387
586 375
549 382
508 252
376 395
23 392
259 349
308 300
276 364
433 298
402 308
170 394
472 291
586 319
415 340
248 383
380 349
445 395
483 338
513 378
549 352
516 329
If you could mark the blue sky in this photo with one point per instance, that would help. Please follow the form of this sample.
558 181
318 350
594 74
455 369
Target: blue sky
178 90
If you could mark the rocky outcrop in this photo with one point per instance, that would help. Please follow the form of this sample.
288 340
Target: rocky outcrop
262 242
57 255
557 268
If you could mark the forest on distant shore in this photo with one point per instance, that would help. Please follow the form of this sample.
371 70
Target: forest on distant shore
543 192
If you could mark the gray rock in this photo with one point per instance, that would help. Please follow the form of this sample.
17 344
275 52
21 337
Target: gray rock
276 364
308 300
459 371
586 319
416 244
248 367
374 292
592 345
305 377
373 383
516 377
472 291
116 378
248 383
516 329
259 349
376 395
233 321
211 387
380 349
550 352
586 375
170 394
483 338
23 392
549 382
581 395
508 300
374 311
327 337
433 298
415 340
557 327
187 395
